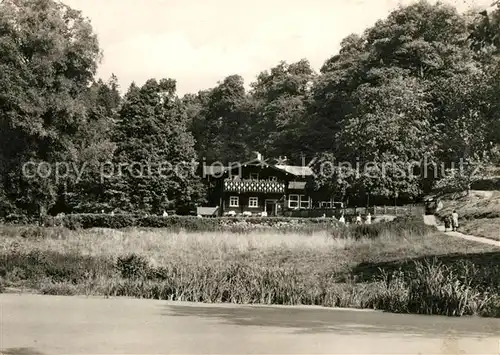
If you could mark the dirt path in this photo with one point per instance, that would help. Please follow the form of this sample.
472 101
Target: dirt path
431 221
484 194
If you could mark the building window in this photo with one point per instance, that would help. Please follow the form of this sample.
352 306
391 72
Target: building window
234 201
253 202
254 176
305 202
326 204
293 201
273 178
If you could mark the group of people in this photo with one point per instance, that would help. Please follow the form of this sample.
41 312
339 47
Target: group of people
451 222
358 220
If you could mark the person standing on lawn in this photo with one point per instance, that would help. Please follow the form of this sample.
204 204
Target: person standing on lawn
454 217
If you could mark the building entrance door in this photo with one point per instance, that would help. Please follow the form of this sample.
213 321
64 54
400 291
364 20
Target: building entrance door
270 207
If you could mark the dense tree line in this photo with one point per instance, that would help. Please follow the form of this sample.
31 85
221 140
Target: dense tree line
422 83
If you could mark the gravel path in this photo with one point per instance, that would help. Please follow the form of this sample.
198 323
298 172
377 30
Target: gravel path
431 220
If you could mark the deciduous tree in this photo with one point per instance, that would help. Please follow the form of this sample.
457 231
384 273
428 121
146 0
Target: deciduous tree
48 57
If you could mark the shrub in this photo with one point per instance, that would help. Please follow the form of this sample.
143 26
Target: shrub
18 219
32 232
132 266
90 220
189 223
179 223
63 289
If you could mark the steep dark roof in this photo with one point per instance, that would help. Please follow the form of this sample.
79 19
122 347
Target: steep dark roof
296 170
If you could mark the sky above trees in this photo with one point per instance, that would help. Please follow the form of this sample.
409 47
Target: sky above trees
201 42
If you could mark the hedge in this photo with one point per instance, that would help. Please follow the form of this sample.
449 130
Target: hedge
191 223
233 224
19 219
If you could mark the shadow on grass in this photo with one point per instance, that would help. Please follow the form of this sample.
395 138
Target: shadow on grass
487 263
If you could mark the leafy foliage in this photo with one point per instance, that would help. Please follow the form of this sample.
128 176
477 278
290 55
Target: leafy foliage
421 84
48 56
411 89
156 150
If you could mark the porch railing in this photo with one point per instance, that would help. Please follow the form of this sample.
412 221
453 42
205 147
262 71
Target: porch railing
265 186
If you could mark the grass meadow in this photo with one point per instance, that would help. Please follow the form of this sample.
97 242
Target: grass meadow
400 266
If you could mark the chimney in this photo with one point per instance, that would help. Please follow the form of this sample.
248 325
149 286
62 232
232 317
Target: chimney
258 155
